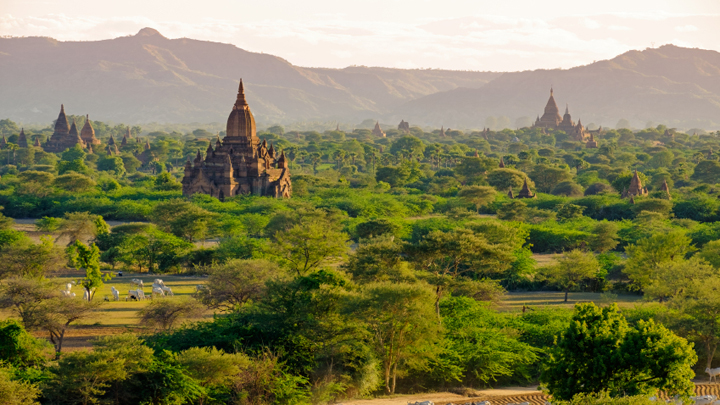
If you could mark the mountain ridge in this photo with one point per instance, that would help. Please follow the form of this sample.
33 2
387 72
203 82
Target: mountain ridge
147 77
655 85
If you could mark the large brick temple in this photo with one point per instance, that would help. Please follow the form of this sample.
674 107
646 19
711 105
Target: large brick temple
240 163
551 119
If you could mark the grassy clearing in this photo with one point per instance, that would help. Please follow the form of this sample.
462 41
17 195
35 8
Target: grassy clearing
115 317
514 301
124 313
545 259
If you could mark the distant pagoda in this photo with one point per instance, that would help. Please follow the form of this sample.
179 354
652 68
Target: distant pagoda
377 131
636 188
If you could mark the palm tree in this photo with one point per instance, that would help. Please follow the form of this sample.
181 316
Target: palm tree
337 156
12 147
315 159
292 154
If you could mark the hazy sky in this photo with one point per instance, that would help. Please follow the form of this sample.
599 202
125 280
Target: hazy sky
452 34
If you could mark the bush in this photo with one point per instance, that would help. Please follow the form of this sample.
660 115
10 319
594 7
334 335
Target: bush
556 239
599 188
568 188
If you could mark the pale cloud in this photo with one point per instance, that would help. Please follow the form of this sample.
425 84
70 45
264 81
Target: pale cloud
592 24
482 42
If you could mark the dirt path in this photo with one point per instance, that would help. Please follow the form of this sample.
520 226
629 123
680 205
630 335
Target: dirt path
495 396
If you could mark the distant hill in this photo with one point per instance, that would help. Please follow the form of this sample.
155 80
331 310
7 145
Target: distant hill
149 78
670 84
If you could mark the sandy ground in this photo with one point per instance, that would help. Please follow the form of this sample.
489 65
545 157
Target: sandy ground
445 397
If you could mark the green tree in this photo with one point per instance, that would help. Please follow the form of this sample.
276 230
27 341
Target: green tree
408 145
82 256
16 392
55 316
699 305
153 250
503 179
647 254
547 177
477 195
113 164
711 253
394 176
568 189
571 270
163 314
600 352
604 237
183 219
471 168
672 278
30 259
308 246
569 211
376 227
399 318
654 205
82 377
74 182
214 370
379 259
661 159
476 349
43 178
74 153
19 348
514 210
707 171
232 284
80 226
449 257
166 181
76 166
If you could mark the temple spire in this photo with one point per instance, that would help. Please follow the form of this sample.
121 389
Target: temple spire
241 102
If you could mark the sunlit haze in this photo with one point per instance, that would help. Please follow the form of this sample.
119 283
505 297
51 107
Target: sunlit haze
459 35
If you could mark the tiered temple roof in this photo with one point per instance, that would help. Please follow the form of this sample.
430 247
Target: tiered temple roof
87 133
525 191
666 189
239 163
377 131
64 136
591 143
551 119
22 139
636 188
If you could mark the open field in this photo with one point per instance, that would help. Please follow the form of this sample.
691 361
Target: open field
116 317
514 301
